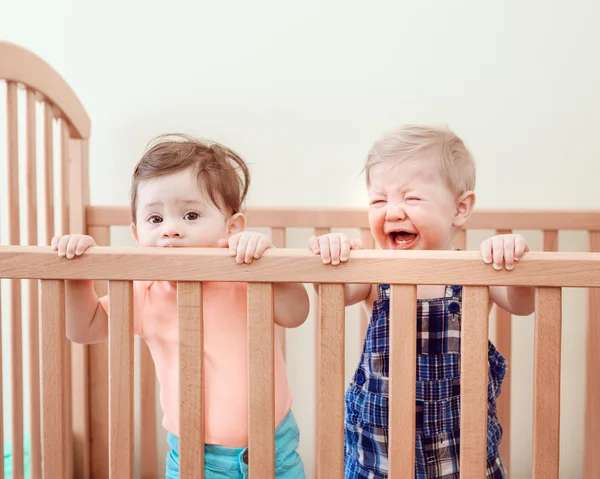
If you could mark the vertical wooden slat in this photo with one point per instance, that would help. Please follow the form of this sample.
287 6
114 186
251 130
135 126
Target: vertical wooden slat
474 382
369 243
48 172
278 240
318 232
550 240
261 354
120 388
1 386
79 352
148 452
591 461
330 406
64 229
403 380
546 393
98 381
15 290
460 240
52 329
32 237
191 404
504 345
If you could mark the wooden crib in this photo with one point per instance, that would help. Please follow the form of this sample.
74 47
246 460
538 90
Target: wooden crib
81 397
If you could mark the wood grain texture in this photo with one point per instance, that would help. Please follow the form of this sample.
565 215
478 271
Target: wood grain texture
546 380
261 352
591 461
120 384
474 382
52 330
191 358
403 380
330 385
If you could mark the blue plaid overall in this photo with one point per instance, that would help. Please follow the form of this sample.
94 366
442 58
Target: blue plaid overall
438 395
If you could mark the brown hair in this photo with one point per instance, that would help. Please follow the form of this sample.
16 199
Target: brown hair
222 174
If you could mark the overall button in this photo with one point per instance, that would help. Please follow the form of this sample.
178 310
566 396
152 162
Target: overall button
245 457
456 288
360 378
385 286
454 307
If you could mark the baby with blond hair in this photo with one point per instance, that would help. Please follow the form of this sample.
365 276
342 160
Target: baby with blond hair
421 182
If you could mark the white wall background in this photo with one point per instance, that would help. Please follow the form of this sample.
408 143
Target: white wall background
302 89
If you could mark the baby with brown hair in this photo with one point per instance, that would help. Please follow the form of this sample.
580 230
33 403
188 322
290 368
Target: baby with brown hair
190 193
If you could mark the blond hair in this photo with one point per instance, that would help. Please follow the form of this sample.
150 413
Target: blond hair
222 174
409 141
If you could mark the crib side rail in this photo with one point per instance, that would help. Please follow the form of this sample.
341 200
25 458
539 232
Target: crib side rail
548 271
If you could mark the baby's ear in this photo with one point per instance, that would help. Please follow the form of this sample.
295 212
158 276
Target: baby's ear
464 208
236 224
134 233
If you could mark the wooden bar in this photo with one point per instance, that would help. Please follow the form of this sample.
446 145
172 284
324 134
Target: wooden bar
15 285
504 345
474 382
120 389
318 232
52 329
546 392
402 382
79 352
318 217
191 403
460 240
569 270
35 454
278 240
550 240
591 460
1 390
64 229
330 391
48 172
261 354
369 243
98 382
148 427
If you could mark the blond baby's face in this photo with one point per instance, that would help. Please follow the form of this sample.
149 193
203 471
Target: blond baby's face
173 211
411 206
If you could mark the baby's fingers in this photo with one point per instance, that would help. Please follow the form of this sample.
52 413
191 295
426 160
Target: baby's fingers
313 245
357 244
486 251
520 248
509 254
498 253
324 247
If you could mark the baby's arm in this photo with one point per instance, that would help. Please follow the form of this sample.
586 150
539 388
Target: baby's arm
290 300
334 249
86 320
505 250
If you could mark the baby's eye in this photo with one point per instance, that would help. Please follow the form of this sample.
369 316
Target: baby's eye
191 216
377 202
413 198
154 219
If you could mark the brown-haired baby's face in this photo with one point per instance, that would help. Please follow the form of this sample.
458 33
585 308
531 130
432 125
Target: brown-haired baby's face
173 211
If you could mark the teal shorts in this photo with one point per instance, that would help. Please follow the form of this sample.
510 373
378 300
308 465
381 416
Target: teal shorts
224 462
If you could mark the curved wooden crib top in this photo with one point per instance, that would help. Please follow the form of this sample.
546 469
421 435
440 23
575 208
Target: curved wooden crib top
20 65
